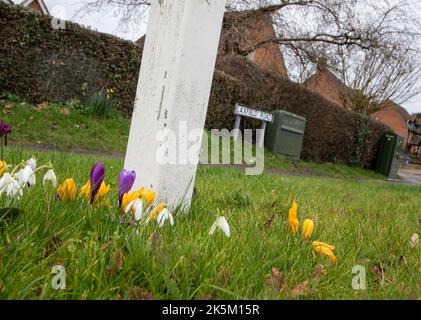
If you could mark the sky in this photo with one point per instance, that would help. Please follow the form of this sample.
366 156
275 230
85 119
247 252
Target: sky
109 23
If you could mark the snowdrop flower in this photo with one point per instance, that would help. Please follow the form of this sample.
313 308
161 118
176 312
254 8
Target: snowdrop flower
14 190
26 176
136 207
32 163
12 187
163 216
5 181
222 224
50 176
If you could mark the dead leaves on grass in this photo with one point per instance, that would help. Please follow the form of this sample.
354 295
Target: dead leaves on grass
415 240
7 108
138 294
41 106
300 290
317 273
116 264
379 274
51 246
278 282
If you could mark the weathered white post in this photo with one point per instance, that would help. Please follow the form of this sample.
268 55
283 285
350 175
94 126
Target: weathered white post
174 86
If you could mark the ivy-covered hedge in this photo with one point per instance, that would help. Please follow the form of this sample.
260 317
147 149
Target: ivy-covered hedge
43 64
333 134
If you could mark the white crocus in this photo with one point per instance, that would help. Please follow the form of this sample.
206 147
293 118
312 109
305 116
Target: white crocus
12 187
50 176
222 224
163 216
137 207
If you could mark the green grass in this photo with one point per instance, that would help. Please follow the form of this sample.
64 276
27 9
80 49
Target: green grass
370 223
64 127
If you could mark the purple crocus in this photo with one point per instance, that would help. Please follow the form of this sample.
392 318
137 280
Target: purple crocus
96 178
5 128
125 183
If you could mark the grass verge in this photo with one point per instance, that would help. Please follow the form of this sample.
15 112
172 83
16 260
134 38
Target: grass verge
369 223
64 127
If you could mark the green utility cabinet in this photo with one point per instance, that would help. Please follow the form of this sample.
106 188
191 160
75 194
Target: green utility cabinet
285 135
389 158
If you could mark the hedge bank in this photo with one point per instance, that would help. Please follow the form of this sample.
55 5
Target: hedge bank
43 64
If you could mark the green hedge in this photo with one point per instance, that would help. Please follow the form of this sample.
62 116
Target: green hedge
43 64
333 134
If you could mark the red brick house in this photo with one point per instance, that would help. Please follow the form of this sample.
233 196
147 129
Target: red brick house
252 34
327 85
36 5
249 34
324 83
396 117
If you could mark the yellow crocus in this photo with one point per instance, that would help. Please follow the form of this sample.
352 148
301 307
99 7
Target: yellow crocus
147 195
323 244
156 211
2 167
85 192
293 222
308 228
67 190
325 249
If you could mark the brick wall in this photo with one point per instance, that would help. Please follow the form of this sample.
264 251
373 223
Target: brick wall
392 117
327 85
244 31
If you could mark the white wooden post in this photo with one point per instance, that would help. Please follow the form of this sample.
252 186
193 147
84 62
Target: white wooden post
174 86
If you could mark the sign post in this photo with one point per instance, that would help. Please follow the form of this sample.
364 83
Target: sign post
242 111
173 95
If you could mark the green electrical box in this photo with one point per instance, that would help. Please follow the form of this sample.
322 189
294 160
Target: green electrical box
389 158
285 135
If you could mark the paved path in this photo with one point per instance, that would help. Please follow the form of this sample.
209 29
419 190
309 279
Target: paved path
410 176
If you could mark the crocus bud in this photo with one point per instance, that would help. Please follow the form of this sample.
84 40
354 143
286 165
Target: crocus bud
308 228
2 167
293 222
96 178
125 183
67 191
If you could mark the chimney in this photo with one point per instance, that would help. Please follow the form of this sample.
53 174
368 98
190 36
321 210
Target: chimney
322 64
